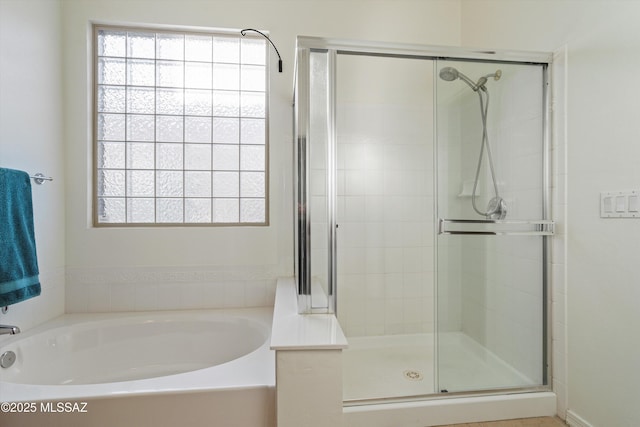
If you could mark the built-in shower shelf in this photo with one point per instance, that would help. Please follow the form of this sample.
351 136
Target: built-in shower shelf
467 189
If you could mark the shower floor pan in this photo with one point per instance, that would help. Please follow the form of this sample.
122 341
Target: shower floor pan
396 366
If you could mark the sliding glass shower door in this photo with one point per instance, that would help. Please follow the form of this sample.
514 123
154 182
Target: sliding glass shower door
422 215
492 214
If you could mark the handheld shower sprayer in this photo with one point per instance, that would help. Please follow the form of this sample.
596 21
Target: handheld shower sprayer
450 74
497 208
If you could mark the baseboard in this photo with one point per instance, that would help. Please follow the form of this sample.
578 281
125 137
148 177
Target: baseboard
575 420
451 410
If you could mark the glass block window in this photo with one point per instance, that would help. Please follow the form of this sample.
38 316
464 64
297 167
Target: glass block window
180 128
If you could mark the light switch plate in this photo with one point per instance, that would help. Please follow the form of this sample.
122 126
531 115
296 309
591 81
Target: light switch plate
620 204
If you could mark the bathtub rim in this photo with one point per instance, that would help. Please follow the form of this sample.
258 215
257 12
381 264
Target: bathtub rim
253 370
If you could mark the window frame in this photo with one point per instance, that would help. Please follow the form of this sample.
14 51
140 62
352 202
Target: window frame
157 29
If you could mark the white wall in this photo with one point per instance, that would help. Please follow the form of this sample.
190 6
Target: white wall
597 43
114 269
31 138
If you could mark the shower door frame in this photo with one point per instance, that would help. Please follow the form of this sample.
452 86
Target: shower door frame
302 248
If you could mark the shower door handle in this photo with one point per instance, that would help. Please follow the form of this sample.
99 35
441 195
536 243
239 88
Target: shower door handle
497 227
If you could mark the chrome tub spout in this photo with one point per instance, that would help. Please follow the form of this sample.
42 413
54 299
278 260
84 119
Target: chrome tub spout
9 330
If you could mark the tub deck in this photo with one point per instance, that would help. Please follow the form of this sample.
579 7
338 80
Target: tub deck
240 392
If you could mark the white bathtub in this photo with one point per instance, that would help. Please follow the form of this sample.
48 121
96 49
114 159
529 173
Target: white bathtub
200 367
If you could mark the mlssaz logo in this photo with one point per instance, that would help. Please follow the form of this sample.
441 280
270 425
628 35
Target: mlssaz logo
66 407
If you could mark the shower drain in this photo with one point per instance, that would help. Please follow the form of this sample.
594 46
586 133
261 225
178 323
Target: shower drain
412 375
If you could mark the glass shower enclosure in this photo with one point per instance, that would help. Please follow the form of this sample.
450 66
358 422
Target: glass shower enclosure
422 214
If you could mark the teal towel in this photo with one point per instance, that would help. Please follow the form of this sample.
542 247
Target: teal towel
18 263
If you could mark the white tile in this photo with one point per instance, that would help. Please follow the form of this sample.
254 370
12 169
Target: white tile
559 358
357 311
413 208
393 234
394 182
271 292
168 296
191 296
374 208
374 157
375 286
354 208
392 285
558 249
393 311
355 182
145 297
77 298
428 288
355 329
411 234
393 210
340 208
354 261
560 390
412 285
341 182
213 294
394 328
558 309
353 286
234 294
393 259
375 312
375 328
374 185
427 327
99 298
413 310
414 183
427 257
256 293
354 156
122 297
374 234
352 234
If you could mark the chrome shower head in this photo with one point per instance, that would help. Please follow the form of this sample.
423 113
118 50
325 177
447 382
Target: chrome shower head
449 74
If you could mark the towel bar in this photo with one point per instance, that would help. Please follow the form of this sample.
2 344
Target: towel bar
489 227
40 178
